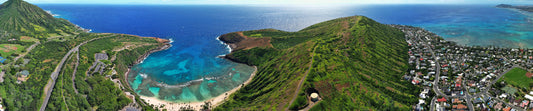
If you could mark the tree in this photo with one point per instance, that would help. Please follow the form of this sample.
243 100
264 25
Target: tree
206 106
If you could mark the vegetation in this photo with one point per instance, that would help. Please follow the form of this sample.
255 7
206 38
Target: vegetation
10 49
517 77
21 18
354 63
101 93
515 82
24 24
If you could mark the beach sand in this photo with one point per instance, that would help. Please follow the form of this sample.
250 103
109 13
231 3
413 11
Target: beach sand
172 106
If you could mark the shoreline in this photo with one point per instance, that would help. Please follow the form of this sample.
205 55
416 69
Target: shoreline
174 106
218 100
142 58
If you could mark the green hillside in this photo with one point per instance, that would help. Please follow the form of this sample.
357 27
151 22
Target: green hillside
27 82
22 18
354 63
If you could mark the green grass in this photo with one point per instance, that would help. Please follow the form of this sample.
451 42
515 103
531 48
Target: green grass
8 49
517 77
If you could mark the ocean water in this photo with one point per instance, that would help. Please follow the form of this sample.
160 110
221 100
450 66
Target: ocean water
191 71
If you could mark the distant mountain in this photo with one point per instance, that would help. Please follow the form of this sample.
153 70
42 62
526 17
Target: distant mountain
353 63
524 8
18 17
504 5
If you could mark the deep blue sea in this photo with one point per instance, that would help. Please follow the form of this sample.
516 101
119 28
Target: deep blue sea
191 71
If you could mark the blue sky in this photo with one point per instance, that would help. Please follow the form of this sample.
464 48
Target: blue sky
517 2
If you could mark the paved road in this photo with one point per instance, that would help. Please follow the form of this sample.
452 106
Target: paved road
432 106
494 81
303 78
51 83
74 72
510 105
436 84
27 51
467 98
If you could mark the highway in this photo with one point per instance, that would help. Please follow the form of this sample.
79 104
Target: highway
51 83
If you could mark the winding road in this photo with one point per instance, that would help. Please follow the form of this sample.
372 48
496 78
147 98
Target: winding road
51 83
74 72
27 51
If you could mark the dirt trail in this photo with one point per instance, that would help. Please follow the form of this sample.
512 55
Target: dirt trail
303 78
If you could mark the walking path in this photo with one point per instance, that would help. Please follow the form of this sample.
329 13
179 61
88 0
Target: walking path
303 78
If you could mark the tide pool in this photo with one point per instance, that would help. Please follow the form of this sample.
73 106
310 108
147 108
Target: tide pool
191 71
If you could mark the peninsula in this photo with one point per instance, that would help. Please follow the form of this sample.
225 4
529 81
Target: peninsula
523 8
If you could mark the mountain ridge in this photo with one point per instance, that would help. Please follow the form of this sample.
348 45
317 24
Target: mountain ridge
21 18
353 63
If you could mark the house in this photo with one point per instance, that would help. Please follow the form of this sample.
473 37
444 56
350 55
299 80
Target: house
504 95
22 78
406 77
478 100
459 106
421 101
456 100
517 101
415 81
498 106
419 107
524 103
507 108
441 99
472 90
529 97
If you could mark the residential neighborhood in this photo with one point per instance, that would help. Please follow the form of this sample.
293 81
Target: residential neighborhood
457 77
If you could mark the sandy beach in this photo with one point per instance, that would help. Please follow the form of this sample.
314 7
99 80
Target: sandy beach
171 106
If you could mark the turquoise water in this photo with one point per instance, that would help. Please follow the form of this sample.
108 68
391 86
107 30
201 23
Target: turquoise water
191 71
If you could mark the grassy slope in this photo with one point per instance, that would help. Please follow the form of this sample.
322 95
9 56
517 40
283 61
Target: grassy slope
358 64
21 18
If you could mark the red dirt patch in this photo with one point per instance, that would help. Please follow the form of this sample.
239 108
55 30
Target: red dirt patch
529 74
47 60
25 38
250 42
324 88
390 89
160 40
339 87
